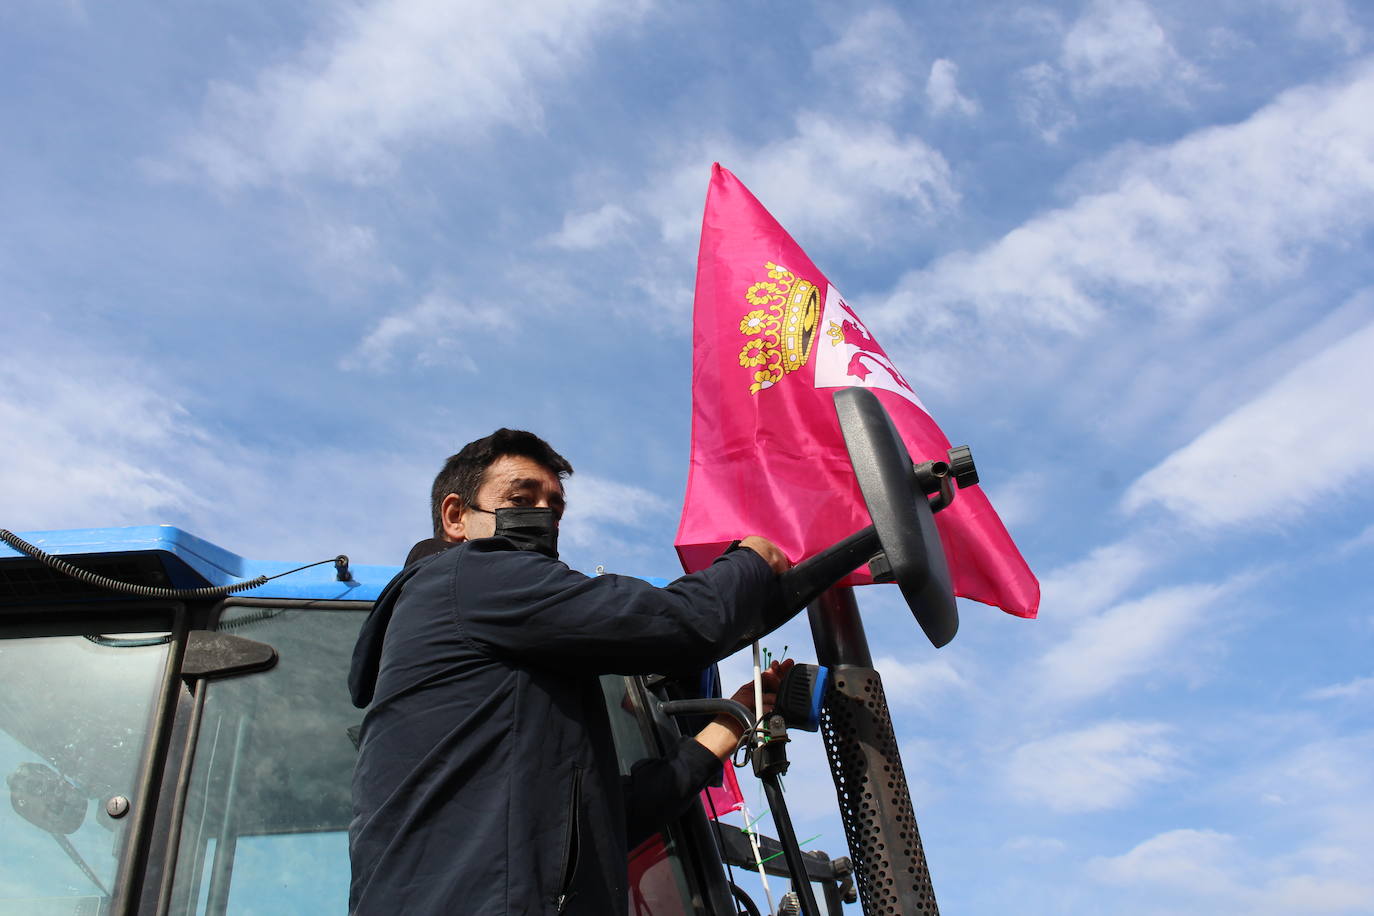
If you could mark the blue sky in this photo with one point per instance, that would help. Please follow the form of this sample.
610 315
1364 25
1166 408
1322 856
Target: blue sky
262 266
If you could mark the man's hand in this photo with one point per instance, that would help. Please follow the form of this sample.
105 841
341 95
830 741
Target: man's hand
722 736
769 551
772 679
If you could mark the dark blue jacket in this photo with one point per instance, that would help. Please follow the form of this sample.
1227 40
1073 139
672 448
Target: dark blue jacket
487 780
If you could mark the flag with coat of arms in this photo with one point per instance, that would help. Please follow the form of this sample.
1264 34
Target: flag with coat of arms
772 341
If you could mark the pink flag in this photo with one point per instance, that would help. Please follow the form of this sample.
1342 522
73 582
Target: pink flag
772 341
724 798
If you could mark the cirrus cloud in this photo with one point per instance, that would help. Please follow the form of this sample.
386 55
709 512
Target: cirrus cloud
384 76
1104 766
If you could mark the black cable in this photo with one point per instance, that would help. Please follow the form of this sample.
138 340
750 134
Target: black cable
744 900
715 818
144 591
247 620
744 750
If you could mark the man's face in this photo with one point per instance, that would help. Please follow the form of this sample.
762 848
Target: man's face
511 480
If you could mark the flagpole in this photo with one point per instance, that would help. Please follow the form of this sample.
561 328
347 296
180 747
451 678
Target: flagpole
757 739
875 803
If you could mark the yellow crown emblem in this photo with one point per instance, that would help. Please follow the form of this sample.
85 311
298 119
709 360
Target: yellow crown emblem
781 327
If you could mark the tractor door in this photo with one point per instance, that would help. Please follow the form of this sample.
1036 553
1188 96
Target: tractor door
265 799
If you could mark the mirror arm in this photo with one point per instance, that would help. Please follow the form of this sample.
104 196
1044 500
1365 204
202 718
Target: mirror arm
804 582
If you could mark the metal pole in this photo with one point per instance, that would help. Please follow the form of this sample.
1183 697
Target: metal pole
837 629
801 882
870 784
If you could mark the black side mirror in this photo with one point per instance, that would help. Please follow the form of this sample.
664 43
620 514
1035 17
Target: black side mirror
902 545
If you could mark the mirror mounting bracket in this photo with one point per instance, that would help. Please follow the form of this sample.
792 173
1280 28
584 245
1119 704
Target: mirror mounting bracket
212 654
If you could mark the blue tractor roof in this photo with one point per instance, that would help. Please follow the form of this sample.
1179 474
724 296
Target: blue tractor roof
190 562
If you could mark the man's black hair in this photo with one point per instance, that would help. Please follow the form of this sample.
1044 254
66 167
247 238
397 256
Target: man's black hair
464 472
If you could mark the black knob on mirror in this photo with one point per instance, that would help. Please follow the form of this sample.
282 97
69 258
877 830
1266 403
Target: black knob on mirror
961 466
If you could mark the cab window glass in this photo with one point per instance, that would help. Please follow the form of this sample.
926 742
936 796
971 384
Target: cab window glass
265 828
74 717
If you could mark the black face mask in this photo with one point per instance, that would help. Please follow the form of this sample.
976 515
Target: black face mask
529 528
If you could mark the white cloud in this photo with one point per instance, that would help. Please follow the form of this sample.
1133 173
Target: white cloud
1307 851
831 180
1325 20
1200 861
101 444
308 501
90 448
604 522
1319 894
436 331
875 56
345 257
942 90
1114 45
1189 870
1125 642
1326 781
597 499
1094 582
1020 497
932 766
343 243
1035 848
1093 769
392 74
1174 235
104 444
1119 44
1304 428
918 684
1041 103
1359 687
1361 541
592 229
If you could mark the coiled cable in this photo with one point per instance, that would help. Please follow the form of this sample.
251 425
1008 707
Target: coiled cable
148 591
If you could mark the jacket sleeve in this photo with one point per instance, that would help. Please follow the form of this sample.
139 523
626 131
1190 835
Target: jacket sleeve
659 789
523 606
